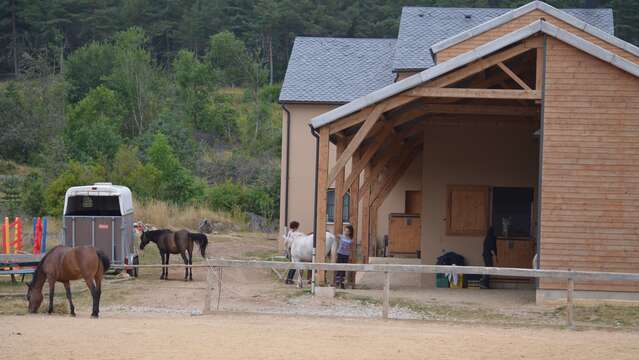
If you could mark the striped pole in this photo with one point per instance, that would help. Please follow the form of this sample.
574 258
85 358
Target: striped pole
5 236
17 240
44 234
37 239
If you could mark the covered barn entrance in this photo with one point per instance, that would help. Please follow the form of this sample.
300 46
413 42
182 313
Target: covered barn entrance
472 132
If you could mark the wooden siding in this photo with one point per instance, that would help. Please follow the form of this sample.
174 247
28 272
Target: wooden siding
590 185
515 24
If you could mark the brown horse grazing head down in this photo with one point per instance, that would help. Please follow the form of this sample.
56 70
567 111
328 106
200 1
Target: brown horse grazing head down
64 264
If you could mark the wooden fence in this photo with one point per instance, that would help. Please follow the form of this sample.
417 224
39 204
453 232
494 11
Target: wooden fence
218 265
387 269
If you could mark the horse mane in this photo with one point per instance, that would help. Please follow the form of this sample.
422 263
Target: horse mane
39 269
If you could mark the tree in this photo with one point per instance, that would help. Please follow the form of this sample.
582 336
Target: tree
128 170
92 130
194 82
33 195
87 67
10 195
135 79
228 57
75 174
176 183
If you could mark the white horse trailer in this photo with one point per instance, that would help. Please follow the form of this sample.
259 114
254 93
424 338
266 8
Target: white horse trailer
101 215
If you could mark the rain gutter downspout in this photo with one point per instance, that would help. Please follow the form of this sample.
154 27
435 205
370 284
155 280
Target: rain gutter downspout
288 160
317 143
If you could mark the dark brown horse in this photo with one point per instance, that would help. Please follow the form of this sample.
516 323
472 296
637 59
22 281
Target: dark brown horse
179 242
64 264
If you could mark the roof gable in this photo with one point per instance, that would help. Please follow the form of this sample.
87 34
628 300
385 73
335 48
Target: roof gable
477 53
423 27
587 20
336 70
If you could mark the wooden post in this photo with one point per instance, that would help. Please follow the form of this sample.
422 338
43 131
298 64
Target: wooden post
322 189
353 209
219 288
207 294
570 305
386 295
365 230
339 190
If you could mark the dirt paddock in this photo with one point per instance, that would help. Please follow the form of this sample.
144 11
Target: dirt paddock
261 318
244 336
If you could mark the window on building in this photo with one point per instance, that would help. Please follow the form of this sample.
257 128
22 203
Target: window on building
330 206
468 210
512 211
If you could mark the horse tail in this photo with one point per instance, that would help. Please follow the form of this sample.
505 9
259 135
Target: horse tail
106 263
201 240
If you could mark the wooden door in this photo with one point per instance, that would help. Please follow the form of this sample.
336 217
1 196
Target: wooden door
405 234
413 202
516 253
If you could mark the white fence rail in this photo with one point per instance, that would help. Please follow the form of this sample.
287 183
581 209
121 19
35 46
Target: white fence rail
219 264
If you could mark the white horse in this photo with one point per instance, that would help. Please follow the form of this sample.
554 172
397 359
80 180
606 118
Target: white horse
300 247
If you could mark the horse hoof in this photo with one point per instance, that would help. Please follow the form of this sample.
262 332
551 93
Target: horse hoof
94 316
72 314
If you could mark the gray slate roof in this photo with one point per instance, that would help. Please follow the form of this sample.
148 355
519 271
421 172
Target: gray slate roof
421 27
337 70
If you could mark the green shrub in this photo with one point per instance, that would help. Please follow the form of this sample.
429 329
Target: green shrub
75 175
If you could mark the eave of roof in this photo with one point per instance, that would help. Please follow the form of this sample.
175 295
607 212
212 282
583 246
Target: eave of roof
523 10
475 54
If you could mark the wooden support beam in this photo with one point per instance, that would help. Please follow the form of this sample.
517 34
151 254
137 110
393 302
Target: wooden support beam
478 66
476 93
339 194
361 134
358 166
513 76
365 192
322 189
395 173
539 70
350 120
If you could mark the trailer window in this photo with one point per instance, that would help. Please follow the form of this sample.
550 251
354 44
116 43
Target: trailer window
93 206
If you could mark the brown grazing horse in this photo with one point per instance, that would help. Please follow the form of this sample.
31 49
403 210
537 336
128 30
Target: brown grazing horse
64 264
179 242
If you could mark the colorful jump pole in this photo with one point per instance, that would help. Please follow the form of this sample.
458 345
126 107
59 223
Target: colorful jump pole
44 234
37 237
6 245
17 238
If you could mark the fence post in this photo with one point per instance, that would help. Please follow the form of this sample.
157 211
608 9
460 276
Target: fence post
386 294
570 305
207 294
219 288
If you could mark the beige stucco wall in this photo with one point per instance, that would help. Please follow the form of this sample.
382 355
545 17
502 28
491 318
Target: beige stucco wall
395 202
492 155
302 165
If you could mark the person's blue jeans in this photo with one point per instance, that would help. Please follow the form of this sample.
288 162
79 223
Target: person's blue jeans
341 275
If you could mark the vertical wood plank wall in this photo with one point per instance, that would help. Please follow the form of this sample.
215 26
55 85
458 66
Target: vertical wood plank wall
520 22
590 185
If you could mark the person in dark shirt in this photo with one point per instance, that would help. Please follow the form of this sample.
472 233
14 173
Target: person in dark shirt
490 250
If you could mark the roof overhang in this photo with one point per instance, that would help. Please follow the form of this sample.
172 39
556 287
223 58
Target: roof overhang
532 6
459 61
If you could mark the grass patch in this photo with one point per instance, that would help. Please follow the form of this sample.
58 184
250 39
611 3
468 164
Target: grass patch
260 255
618 316
164 215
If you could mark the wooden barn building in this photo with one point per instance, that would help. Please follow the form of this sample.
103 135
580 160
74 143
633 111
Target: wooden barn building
525 120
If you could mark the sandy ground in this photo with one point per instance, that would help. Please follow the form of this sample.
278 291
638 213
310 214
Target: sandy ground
149 318
244 336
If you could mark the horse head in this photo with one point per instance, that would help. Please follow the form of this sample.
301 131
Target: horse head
34 297
144 239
